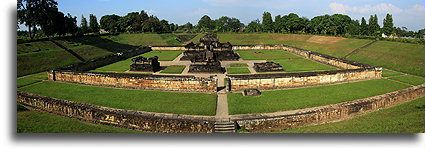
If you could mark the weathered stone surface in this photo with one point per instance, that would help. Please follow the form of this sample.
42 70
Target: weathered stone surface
267 67
251 92
137 81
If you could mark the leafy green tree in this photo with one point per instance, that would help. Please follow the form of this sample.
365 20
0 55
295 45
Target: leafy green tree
152 24
267 22
84 27
227 24
354 28
54 23
187 27
278 23
71 24
110 23
33 13
373 25
254 26
364 29
205 23
94 26
388 27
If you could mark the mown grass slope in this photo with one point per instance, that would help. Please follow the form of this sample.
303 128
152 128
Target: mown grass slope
152 101
404 118
405 57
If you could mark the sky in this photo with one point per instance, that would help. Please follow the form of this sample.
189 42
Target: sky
406 13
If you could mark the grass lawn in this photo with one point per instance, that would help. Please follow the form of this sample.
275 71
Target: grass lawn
170 38
297 65
152 101
238 65
25 81
405 57
138 39
404 118
174 69
36 122
388 73
281 100
39 76
289 61
409 79
124 65
237 70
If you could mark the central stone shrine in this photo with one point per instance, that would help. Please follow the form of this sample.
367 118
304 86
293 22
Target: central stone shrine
207 54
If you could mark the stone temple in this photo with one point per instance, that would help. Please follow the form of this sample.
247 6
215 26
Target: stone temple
207 54
145 64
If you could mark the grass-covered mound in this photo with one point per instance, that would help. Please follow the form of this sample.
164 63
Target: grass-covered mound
405 57
281 100
404 118
152 101
237 70
388 73
289 61
335 46
36 122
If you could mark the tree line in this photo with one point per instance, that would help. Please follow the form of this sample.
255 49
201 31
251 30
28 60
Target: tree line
44 15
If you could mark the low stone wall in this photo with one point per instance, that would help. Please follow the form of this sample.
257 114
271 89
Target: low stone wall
106 60
288 80
146 121
168 48
329 113
137 81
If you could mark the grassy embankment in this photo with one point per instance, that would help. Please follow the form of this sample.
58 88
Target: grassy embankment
404 118
174 69
124 65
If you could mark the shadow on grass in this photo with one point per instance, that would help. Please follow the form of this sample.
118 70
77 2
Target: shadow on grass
103 43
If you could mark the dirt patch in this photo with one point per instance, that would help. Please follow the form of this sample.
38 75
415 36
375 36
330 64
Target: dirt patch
324 39
290 37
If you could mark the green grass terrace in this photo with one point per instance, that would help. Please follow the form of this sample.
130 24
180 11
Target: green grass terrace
141 100
291 99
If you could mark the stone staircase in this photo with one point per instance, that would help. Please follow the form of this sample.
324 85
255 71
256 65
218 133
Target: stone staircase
224 127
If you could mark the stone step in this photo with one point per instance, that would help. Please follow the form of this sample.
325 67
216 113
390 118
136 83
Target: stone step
224 127
233 131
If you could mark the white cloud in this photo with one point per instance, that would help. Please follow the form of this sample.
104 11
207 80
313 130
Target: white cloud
150 11
366 9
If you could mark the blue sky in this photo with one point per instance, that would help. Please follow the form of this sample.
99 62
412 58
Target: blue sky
408 13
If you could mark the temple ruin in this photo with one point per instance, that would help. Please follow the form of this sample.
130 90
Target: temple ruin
145 64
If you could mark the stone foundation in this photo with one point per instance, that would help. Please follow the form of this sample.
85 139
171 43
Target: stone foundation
137 81
288 80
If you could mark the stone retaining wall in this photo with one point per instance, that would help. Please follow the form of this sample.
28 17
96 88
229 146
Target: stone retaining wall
288 80
168 48
137 81
329 113
146 121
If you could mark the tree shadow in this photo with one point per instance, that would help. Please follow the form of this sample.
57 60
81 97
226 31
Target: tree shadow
100 42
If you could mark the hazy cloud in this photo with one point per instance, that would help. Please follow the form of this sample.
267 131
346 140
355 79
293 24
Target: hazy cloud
366 9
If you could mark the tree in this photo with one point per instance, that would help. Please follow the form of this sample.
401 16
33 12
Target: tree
205 23
354 28
54 23
84 28
187 27
94 26
364 30
226 24
32 13
254 26
267 22
110 23
388 27
373 25
278 23
71 24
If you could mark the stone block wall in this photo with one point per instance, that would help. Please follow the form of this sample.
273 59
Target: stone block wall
146 121
329 113
288 80
137 81
168 48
